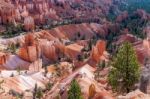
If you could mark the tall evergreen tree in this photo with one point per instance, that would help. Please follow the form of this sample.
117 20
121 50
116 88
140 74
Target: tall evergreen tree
74 91
125 69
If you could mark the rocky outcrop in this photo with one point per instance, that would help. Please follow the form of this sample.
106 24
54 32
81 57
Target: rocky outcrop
141 13
73 50
35 66
103 95
135 95
14 62
29 40
29 23
23 82
51 49
126 37
30 51
122 16
142 49
7 12
46 35
21 11
98 50
3 58
48 12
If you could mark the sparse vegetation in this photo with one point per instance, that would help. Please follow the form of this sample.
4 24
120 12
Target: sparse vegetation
80 58
99 67
16 94
12 48
46 70
135 24
39 93
49 86
13 30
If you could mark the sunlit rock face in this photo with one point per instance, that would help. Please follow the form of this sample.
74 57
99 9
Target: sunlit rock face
36 65
30 51
142 49
73 50
98 50
46 35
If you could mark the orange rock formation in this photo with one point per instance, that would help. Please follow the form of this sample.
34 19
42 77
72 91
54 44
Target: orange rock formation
7 12
3 58
51 49
73 50
29 23
30 51
98 50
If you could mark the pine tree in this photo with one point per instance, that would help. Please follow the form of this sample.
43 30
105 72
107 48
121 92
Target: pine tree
74 91
125 69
